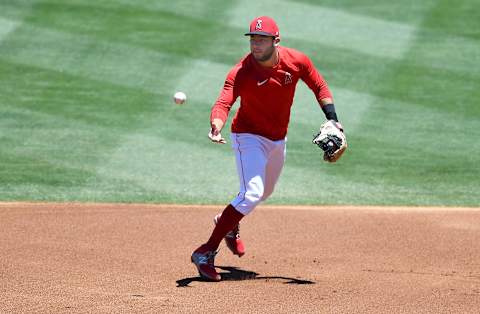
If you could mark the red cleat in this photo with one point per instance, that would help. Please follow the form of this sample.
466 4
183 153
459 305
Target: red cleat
204 261
232 239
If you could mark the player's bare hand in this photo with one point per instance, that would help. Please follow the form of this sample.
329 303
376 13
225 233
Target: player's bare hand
215 136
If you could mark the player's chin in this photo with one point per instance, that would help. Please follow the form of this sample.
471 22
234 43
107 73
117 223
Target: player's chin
260 57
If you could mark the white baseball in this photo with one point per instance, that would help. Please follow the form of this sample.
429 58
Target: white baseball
179 98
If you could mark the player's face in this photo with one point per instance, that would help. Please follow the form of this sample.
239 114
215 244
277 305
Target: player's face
262 47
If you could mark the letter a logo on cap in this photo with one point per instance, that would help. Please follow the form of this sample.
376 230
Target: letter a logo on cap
264 26
258 27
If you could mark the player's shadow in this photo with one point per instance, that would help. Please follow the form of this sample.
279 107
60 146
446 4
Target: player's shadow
236 274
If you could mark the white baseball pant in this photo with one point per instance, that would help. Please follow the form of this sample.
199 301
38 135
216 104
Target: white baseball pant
259 164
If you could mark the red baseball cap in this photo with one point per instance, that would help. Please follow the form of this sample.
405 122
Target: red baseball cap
263 25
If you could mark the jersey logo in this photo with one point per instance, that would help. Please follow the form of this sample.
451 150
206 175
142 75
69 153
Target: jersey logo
262 82
258 27
288 78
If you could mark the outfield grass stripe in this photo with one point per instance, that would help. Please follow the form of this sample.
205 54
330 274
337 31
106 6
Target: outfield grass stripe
332 188
351 106
70 98
50 140
441 51
405 11
202 81
87 57
143 160
18 9
334 27
204 9
6 27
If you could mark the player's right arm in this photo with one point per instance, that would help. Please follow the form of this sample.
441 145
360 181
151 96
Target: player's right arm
222 106
214 135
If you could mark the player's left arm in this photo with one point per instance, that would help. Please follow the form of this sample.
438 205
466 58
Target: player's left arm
319 87
331 138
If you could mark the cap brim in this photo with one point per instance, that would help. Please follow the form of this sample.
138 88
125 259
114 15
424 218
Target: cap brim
260 33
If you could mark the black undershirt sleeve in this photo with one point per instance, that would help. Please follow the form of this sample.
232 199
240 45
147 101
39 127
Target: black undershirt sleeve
329 110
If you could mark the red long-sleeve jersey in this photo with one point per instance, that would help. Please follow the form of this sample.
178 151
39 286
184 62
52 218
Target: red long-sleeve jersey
266 94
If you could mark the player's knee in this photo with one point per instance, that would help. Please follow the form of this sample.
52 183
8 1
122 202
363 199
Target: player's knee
255 191
247 202
247 205
254 198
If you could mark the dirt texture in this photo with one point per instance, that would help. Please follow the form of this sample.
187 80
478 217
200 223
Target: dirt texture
119 258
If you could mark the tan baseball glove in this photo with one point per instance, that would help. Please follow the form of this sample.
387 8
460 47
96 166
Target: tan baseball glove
331 140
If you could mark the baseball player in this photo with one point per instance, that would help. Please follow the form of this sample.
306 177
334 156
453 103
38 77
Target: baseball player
265 80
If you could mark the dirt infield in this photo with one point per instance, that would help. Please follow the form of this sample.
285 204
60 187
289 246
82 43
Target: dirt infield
117 258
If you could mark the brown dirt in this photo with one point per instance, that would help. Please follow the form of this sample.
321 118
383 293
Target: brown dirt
118 258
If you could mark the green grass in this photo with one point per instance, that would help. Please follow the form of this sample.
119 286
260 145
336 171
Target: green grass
86 111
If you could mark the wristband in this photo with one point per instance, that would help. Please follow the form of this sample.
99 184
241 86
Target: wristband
329 111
